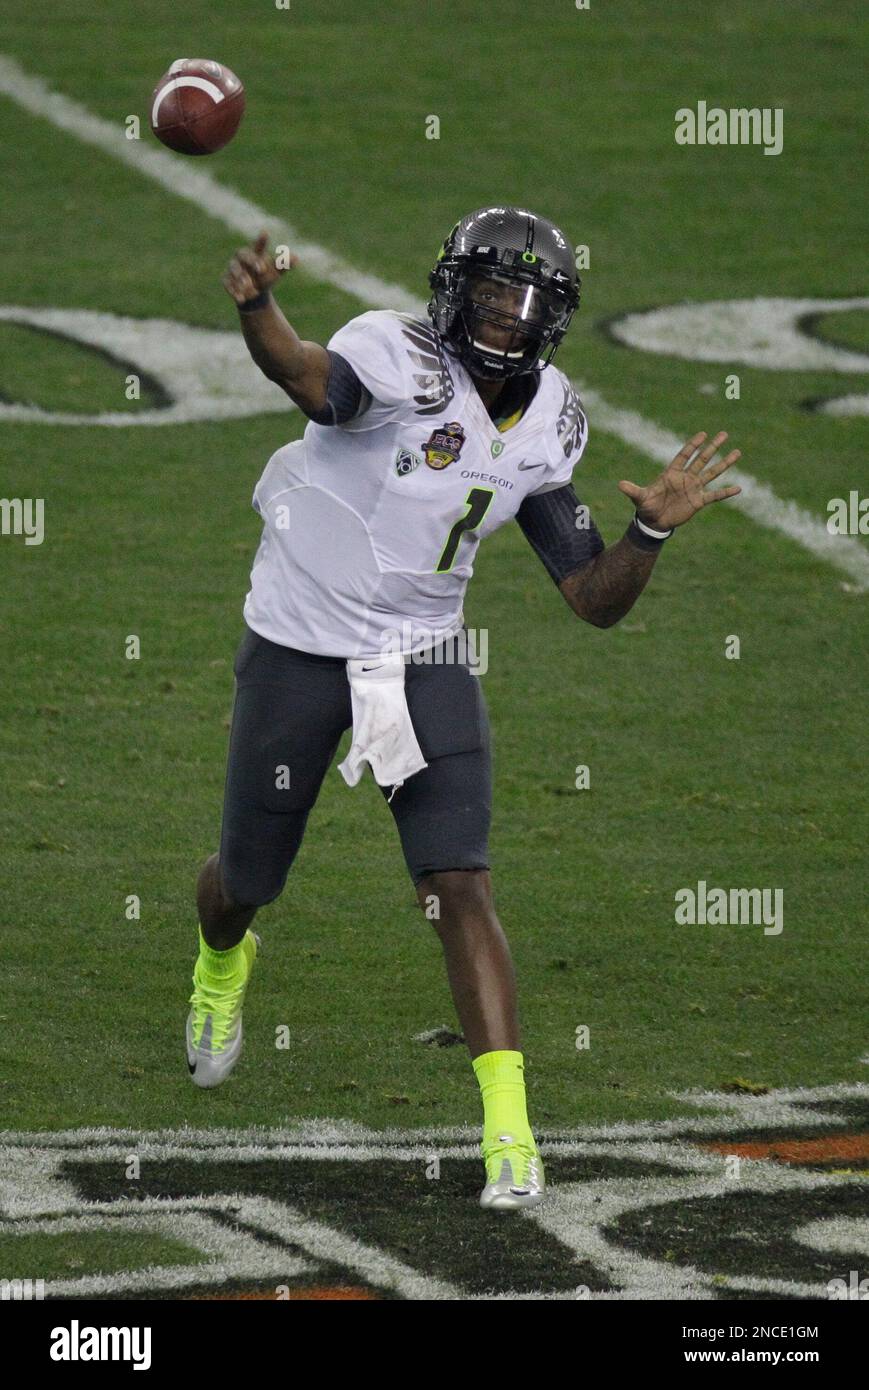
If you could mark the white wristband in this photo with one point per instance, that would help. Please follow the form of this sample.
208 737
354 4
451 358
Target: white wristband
647 530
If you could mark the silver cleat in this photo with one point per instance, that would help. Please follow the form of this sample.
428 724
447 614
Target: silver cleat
209 1065
520 1180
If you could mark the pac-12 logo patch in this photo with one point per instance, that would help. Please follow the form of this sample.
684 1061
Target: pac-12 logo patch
406 461
444 445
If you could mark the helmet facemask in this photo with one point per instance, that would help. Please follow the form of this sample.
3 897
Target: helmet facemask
507 323
501 315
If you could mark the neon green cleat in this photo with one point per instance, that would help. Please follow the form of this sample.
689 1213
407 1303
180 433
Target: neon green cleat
214 1033
514 1175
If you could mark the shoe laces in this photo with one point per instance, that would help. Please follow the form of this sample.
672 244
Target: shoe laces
506 1147
222 1003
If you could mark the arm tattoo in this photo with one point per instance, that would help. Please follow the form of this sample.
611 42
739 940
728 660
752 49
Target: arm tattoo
606 588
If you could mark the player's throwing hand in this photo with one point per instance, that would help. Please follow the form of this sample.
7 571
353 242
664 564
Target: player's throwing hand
679 492
253 270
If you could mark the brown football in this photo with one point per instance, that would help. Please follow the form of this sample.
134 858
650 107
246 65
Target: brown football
197 106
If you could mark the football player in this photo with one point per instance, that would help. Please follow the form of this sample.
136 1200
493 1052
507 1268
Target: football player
422 439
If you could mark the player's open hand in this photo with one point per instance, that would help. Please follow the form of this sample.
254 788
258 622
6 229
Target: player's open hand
680 491
253 270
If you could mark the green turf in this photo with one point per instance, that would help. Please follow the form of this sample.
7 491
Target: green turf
94 1252
56 374
742 773
849 329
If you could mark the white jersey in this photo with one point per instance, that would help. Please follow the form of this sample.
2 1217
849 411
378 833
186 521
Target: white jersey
371 527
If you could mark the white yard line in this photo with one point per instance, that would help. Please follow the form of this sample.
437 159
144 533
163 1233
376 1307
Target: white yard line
188 180
757 499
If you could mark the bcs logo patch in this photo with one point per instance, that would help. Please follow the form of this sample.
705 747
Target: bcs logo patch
444 445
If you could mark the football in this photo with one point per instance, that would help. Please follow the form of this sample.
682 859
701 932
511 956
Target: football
197 106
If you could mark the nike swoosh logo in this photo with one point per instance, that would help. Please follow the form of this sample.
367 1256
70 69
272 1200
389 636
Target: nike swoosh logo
373 668
523 465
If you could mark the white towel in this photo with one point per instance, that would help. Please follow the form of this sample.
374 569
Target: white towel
383 734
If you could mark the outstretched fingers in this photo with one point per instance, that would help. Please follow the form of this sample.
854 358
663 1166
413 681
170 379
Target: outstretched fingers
719 494
699 463
715 469
685 453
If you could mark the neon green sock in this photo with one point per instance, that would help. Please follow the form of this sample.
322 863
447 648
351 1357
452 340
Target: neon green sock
502 1085
220 965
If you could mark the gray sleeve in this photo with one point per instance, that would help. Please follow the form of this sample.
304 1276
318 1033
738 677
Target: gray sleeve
346 397
560 530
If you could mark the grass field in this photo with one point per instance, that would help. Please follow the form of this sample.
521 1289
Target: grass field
741 772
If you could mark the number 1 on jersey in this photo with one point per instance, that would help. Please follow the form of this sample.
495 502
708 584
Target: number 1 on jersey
478 502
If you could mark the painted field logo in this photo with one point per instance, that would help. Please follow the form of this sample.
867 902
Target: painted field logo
188 373
753 1195
775 334
738 125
